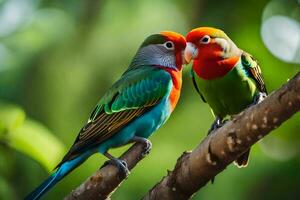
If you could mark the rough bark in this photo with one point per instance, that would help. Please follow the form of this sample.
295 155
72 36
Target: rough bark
194 169
106 180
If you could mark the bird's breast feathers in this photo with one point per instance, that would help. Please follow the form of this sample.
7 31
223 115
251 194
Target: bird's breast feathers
213 69
176 86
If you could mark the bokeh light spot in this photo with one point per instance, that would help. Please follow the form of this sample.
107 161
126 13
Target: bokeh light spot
281 35
13 14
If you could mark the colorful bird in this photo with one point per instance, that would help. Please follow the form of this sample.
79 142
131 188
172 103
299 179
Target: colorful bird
226 77
132 109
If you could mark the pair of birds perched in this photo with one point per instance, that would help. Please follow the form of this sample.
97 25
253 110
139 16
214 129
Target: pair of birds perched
142 100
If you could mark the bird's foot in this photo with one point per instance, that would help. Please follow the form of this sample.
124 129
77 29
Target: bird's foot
147 144
121 165
258 98
147 147
212 128
217 124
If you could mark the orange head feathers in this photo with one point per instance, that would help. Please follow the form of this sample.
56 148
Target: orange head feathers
213 52
163 49
176 38
179 46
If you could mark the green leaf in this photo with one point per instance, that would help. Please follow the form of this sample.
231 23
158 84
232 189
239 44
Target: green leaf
6 192
11 117
36 141
29 137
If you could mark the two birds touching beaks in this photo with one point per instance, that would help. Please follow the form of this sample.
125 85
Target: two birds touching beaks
227 78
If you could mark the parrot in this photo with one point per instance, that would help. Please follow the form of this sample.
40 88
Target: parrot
134 107
226 77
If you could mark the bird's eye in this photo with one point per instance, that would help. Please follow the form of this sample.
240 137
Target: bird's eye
205 39
169 45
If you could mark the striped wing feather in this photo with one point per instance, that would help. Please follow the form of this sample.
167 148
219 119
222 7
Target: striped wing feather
136 92
252 67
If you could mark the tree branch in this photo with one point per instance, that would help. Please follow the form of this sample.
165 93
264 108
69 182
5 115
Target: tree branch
106 180
194 169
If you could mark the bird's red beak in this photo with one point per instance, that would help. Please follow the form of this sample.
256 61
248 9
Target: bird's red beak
191 52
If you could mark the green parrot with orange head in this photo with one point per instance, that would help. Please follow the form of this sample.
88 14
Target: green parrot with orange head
226 77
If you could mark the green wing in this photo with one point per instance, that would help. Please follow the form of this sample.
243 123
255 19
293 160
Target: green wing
135 93
253 70
196 87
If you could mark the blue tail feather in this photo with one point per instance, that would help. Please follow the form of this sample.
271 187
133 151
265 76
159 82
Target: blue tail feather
44 187
54 178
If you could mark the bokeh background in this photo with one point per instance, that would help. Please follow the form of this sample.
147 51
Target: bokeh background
58 57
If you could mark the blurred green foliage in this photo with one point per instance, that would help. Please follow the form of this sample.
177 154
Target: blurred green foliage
58 57
29 137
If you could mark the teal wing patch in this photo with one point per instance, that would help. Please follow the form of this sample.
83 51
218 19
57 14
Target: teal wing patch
253 70
135 93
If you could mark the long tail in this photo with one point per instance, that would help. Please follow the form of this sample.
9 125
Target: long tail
54 178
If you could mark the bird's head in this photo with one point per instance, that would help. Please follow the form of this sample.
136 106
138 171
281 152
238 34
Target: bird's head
165 49
206 44
213 52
